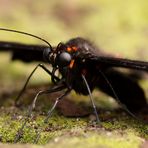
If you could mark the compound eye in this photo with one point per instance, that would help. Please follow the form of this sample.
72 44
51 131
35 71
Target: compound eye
46 53
64 59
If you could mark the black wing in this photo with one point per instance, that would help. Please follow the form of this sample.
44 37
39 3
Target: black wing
119 62
23 52
126 87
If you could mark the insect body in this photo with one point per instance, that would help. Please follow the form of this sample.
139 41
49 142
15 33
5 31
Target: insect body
79 57
82 58
72 63
83 68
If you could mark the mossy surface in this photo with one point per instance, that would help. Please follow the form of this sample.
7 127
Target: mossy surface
118 130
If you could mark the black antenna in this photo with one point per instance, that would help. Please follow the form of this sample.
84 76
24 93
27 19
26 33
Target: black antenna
25 33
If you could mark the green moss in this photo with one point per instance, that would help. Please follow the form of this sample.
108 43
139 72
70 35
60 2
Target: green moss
61 131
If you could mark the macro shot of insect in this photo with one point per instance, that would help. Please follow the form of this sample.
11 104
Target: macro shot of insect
82 68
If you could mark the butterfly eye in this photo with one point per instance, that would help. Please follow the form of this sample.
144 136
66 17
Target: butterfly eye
46 53
63 59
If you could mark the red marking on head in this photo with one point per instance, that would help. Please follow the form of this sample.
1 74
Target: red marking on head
69 49
74 48
71 63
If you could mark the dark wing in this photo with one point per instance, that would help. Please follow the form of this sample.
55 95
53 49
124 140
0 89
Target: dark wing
127 89
23 52
119 62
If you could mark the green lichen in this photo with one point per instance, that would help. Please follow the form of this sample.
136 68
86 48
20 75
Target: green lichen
71 132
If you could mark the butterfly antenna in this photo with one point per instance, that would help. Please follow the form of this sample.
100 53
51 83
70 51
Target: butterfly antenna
25 33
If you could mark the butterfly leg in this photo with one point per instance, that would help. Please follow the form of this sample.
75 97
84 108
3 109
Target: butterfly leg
117 97
27 81
54 89
91 98
51 111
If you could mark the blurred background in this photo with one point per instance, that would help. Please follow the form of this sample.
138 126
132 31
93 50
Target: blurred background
116 26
